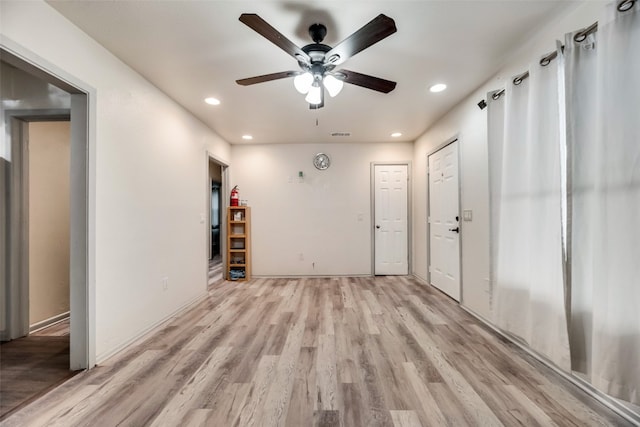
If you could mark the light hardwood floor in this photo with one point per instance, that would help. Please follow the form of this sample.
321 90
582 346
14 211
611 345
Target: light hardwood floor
215 270
377 351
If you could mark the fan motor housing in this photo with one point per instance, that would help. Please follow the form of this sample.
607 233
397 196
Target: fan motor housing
317 53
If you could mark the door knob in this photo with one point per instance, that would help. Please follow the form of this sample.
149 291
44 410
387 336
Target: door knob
377 226
457 229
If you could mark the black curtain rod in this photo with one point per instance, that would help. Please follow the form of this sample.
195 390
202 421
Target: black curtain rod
580 36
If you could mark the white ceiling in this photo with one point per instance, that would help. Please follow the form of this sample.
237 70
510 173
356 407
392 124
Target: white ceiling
195 49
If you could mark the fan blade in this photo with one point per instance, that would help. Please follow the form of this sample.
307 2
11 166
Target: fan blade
267 77
261 27
369 82
379 28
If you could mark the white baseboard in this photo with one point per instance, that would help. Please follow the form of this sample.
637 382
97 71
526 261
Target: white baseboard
615 405
308 276
608 401
48 322
149 330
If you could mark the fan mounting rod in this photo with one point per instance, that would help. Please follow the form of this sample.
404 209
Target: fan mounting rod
317 32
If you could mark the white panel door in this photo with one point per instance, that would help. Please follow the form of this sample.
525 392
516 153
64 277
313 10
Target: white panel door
390 220
444 221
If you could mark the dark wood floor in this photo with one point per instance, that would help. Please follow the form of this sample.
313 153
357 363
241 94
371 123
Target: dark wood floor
31 366
328 352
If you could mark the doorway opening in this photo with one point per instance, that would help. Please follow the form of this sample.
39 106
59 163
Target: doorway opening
216 193
44 230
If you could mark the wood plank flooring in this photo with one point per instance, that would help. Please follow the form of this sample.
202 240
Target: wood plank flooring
215 270
374 351
31 366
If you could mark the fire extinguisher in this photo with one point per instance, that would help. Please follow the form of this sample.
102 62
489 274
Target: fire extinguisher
235 198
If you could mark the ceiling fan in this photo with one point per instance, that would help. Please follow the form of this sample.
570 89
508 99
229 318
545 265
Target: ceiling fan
318 61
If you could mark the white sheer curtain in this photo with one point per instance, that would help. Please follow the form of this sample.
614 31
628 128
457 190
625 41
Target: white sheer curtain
603 116
527 228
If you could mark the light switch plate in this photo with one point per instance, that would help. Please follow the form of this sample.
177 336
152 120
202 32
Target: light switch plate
467 215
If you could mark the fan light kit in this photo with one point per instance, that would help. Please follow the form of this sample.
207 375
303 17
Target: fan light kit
318 61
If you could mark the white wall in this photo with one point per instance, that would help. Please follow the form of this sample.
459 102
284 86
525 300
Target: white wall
468 122
316 216
150 184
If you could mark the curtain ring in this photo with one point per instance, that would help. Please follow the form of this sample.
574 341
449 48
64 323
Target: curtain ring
519 79
625 5
580 37
497 95
546 60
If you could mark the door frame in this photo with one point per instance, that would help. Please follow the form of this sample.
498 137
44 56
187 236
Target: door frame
224 195
83 197
18 279
439 147
372 209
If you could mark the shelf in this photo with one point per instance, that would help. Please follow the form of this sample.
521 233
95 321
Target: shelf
238 245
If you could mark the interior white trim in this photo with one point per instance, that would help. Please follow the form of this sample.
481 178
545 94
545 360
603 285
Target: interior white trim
224 190
596 394
83 211
439 147
49 322
608 401
155 327
372 166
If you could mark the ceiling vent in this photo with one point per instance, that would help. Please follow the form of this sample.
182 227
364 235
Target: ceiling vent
340 133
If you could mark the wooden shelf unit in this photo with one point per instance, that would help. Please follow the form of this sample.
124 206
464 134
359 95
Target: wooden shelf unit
238 243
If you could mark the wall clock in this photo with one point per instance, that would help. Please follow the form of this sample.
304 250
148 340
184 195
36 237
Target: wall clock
321 161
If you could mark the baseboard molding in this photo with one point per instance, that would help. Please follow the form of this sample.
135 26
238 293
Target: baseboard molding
608 401
49 322
336 276
145 333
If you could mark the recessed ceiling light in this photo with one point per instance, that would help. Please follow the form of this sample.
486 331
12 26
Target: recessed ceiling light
396 134
247 137
212 101
438 87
